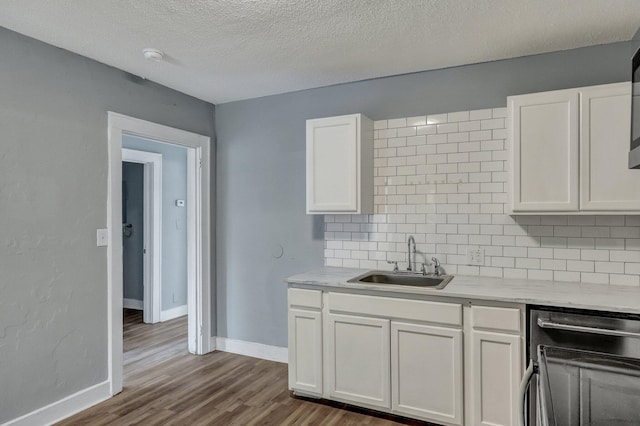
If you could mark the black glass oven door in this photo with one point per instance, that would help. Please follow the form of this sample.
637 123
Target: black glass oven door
583 388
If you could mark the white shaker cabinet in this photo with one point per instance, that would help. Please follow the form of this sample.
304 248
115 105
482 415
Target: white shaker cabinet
358 351
544 135
495 364
340 165
607 183
426 373
453 362
305 341
396 355
569 152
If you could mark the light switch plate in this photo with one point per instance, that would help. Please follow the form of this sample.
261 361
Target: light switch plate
102 237
475 256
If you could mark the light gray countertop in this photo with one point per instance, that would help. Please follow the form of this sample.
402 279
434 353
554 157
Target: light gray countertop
599 297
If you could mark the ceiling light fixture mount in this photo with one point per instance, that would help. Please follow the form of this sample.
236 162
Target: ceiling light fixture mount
153 54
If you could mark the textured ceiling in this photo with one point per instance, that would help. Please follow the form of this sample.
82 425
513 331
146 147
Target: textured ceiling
226 50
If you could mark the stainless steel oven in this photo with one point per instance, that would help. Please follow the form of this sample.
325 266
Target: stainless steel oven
584 369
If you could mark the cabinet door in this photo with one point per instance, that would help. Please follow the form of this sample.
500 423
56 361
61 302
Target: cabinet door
607 183
426 372
358 351
333 164
496 373
305 351
544 151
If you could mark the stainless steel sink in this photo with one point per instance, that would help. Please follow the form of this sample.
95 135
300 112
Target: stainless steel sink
403 278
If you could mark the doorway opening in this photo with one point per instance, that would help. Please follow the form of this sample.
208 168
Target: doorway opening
198 235
142 232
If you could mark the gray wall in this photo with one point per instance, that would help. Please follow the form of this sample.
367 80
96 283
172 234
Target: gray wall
53 197
174 219
261 179
132 246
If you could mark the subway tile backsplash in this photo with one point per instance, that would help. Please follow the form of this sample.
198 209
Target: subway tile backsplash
442 178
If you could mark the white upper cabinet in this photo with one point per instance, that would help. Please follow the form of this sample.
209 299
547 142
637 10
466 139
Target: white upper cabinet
544 132
340 165
569 152
607 183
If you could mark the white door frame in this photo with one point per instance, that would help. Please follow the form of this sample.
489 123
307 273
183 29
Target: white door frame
198 234
152 230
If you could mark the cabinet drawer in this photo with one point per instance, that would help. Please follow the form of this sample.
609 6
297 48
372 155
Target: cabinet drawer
305 298
417 310
492 318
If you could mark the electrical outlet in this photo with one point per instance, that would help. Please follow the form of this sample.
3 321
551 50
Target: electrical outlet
475 256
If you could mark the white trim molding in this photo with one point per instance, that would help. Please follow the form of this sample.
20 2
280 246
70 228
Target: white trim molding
65 407
252 349
132 304
198 234
177 312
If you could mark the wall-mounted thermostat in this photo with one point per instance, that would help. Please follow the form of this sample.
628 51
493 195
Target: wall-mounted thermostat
180 203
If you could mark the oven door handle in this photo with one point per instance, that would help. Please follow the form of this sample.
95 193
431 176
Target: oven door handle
524 386
544 323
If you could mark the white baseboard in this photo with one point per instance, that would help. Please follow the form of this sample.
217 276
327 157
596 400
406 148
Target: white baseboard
172 313
255 350
65 407
132 304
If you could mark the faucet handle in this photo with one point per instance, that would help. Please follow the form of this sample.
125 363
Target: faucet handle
436 266
395 265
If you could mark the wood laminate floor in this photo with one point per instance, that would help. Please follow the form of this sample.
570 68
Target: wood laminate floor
165 385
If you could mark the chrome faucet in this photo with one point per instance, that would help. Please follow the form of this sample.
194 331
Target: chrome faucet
409 267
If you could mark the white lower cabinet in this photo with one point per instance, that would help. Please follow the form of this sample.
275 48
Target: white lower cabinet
305 341
358 351
426 372
424 359
495 362
496 374
305 351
